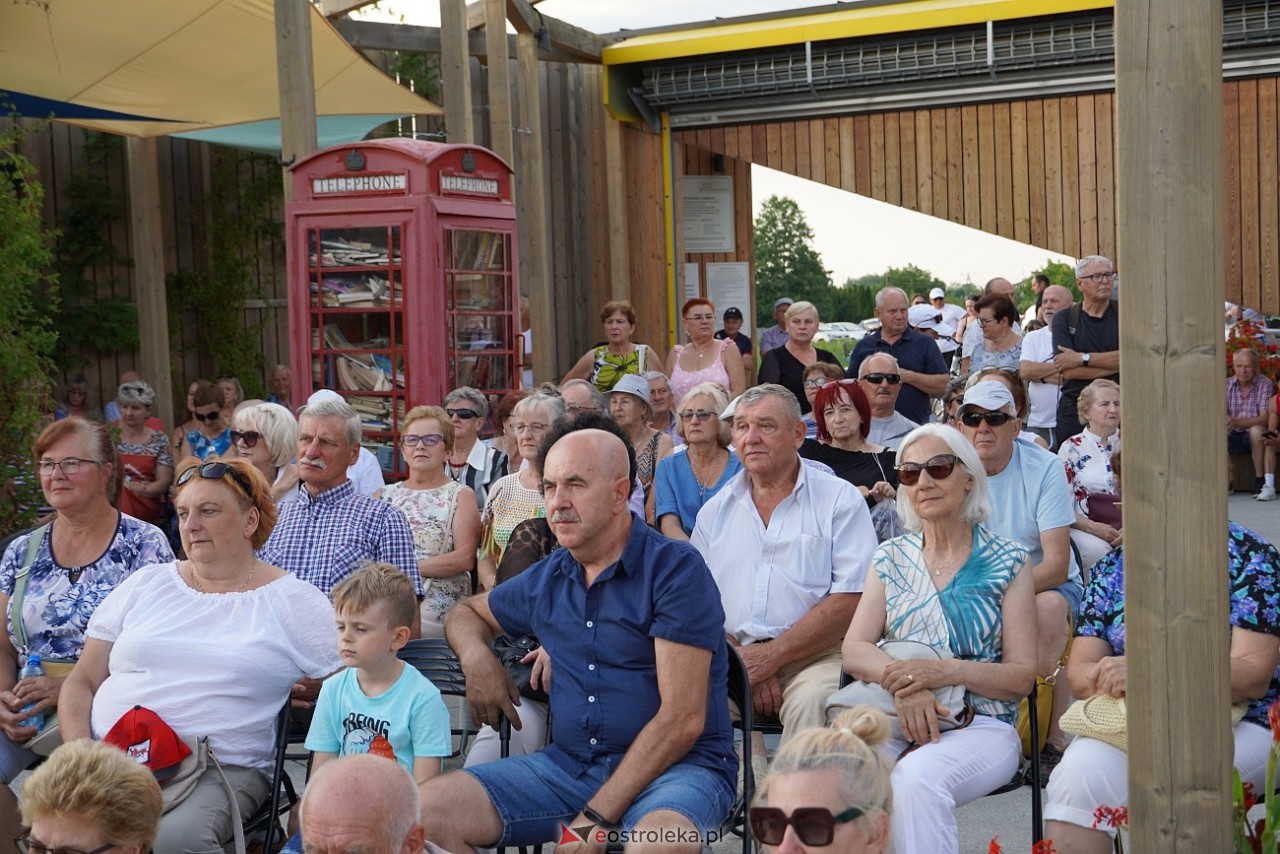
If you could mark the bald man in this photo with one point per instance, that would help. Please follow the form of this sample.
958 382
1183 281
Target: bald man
1044 378
362 802
641 748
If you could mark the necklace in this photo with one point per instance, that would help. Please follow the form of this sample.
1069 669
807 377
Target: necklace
701 351
195 579
709 475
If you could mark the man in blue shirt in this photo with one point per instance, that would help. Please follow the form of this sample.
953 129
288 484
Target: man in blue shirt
641 745
921 366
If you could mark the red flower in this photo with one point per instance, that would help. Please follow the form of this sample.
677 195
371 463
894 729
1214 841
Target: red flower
994 847
1044 846
1112 817
1273 717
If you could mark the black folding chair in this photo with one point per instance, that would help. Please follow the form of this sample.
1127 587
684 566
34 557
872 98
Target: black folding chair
283 795
740 693
435 660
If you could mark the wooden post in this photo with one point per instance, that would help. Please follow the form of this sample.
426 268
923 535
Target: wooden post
531 199
296 72
455 71
616 186
1169 134
495 39
146 239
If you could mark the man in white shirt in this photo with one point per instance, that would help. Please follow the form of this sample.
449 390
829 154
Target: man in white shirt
951 314
1044 379
881 380
789 548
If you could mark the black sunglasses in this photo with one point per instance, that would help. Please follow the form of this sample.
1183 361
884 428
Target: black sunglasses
215 471
815 826
464 414
249 437
877 379
973 418
939 468
212 416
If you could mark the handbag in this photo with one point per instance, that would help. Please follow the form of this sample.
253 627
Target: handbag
510 649
1104 718
1104 508
177 762
49 738
1044 701
959 710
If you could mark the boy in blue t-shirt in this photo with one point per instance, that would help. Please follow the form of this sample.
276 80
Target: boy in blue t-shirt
378 705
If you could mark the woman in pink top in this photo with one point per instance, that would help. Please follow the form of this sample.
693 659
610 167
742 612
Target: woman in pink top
705 359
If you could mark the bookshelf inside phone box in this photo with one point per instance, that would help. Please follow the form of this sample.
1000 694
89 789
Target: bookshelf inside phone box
402 280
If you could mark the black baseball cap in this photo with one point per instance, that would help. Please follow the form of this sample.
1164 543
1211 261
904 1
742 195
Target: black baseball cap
733 312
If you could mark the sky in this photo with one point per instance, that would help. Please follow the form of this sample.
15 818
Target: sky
882 235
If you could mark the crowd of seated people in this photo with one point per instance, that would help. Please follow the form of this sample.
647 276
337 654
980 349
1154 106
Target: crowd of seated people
760 496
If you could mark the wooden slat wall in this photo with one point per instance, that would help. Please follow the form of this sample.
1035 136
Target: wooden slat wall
1039 171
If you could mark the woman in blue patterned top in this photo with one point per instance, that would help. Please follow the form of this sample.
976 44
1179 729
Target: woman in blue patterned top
1093 773
74 562
966 592
212 436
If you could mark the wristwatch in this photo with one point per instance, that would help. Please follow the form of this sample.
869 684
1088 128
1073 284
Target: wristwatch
1084 358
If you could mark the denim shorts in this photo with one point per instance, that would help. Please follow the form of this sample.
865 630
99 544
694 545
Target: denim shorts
536 798
1073 591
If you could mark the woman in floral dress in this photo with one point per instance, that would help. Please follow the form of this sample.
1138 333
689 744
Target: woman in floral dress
53 578
442 515
1093 773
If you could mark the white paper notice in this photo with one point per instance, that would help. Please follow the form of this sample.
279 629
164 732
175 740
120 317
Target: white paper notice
692 282
707 213
729 286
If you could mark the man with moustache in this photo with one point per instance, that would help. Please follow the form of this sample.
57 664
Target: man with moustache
1044 379
921 370
881 380
641 747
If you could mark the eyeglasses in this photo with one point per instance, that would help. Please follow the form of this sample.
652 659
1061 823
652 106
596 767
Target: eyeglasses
535 427
815 826
70 466
210 417
973 418
249 437
939 468
877 379
464 414
413 440
699 318
696 415
984 321
25 844
1099 278
215 471
574 407
815 382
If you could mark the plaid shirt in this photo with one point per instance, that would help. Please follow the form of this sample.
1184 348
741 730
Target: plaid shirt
1252 404
325 538
772 338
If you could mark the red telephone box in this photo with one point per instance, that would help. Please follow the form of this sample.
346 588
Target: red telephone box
402 279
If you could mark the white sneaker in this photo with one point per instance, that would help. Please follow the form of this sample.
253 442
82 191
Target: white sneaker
1268 493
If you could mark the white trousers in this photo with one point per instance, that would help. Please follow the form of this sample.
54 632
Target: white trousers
531 737
931 781
1094 774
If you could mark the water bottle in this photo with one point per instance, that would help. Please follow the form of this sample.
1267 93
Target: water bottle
30 669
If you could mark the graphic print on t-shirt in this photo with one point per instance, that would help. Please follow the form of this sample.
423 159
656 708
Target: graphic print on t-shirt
365 734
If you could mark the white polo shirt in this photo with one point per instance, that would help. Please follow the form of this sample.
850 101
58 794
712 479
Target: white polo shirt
819 541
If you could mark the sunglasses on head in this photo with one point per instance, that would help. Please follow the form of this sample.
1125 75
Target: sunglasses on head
815 826
877 378
973 418
413 440
249 437
215 471
464 414
212 416
939 468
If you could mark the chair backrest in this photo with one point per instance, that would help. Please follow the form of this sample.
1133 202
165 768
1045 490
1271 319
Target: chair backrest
436 660
265 817
740 695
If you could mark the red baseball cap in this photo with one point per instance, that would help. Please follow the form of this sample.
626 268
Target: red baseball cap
149 741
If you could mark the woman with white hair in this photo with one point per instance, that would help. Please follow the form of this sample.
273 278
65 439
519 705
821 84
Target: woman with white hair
266 434
786 365
966 592
471 462
146 457
689 478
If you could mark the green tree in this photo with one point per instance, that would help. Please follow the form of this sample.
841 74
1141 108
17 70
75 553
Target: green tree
28 295
1058 273
913 280
786 262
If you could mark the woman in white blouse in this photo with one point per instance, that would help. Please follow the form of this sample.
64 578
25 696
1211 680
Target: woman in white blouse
213 644
1094 486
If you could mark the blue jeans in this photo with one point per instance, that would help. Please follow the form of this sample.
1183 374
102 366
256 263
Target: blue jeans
535 797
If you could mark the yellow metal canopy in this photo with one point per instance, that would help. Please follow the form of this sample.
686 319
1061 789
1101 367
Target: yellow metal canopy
178 65
846 22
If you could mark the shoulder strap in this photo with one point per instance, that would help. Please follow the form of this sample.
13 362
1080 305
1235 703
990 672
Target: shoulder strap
237 822
20 586
1073 317
642 356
